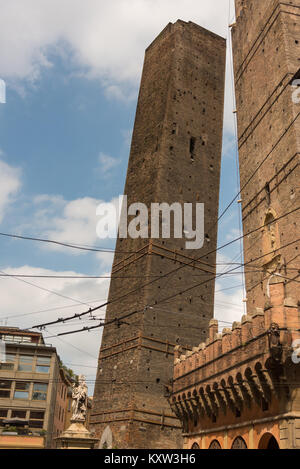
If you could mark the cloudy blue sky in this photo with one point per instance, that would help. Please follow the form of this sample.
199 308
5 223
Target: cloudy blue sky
72 71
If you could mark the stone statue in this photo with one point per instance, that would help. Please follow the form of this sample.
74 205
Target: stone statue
80 397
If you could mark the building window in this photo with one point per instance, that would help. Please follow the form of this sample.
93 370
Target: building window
192 147
39 391
42 369
239 443
43 364
10 358
192 144
5 388
20 414
36 423
25 363
3 414
22 390
16 338
37 415
215 445
36 419
9 362
268 193
264 405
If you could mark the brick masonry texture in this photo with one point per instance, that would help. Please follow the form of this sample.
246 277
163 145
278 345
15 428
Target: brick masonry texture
242 382
266 46
175 157
241 388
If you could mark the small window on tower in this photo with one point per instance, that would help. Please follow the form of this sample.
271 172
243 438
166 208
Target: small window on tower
192 144
264 405
268 193
192 147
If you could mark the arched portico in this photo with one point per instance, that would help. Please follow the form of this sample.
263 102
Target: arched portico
268 441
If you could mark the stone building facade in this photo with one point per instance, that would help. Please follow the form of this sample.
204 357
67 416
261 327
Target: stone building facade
241 388
29 377
266 46
64 383
175 157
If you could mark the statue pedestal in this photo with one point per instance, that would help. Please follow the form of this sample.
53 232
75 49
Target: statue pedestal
76 437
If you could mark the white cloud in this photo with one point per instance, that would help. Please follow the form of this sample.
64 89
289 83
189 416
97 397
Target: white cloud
17 309
229 144
71 222
106 39
10 183
107 163
229 305
234 233
65 221
107 42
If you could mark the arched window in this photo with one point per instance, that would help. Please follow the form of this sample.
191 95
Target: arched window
271 241
106 441
268 441
239 443
215 445
195 446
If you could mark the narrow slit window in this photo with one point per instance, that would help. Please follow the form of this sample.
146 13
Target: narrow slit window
192 144
268 193
192 148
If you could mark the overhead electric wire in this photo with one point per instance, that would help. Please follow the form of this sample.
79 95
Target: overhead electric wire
68 245
258 167
114 300
170 272
236 153
49 310
88 277
226 245
116 320
47 290
225 273
73 346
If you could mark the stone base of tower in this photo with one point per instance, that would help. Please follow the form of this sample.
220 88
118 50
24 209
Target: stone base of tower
141 430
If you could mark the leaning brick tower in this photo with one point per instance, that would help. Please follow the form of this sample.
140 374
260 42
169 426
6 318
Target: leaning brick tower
175 157
266 49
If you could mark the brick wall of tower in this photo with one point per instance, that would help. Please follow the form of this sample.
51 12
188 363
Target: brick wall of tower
266 49
181 98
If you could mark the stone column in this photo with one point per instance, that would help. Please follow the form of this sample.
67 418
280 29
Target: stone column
76 436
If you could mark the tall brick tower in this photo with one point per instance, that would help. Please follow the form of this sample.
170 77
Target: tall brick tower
175 157
266 47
